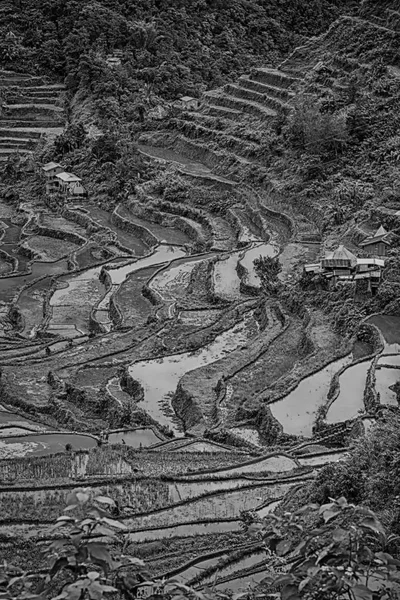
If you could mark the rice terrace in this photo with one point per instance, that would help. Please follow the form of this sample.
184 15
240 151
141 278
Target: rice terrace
199 298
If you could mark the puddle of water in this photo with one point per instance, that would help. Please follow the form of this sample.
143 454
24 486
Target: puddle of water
384 379
251 255
134 438
161 255
40 445
160 377
351 395
296 412
185 531
226 280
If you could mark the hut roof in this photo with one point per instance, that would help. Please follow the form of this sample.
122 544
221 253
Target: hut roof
380 231
68 177
51 165
342 253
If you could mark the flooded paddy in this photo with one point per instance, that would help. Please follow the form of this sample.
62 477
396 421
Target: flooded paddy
161 255
159 377
186 530
226 279
263 250
389 326
351 396
297 411
10 285
136 438
40 445
385 378
72 302
171 283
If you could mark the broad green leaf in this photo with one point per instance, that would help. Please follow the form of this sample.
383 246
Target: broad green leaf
114 523
361 592
373 524
283 547
290 592
339 535
82 497
105 500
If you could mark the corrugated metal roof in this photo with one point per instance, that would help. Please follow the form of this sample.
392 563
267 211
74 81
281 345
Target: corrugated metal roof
50 165
68 177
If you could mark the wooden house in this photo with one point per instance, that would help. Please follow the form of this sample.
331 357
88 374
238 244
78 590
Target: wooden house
378 244
50 171
340 259
189 103
343 265
70 184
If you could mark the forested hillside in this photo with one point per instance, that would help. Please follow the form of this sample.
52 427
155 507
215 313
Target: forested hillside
176 45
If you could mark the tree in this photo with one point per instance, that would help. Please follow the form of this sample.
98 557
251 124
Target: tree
337 551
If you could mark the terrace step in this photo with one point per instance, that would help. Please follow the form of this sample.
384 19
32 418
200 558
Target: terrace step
239 91
273 77
265 88
222 111
245 106
41 124
197 150
195 131
15 143
32 100
20 81
41 108
19 133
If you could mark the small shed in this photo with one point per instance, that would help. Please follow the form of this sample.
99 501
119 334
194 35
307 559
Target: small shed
51 169
189 103
70 184
341 258
378 244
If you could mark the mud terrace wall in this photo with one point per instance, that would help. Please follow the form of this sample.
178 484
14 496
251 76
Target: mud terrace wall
133 228
59 234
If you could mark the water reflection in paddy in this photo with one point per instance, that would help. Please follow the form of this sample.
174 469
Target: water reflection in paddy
296 412
134 438
385 378
162 254
389 326
263 250
42 444
226 279
159 377
351 396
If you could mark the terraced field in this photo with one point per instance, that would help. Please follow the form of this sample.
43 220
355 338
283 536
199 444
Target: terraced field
144 354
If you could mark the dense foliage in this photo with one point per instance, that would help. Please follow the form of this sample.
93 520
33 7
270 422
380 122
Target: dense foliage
176 46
